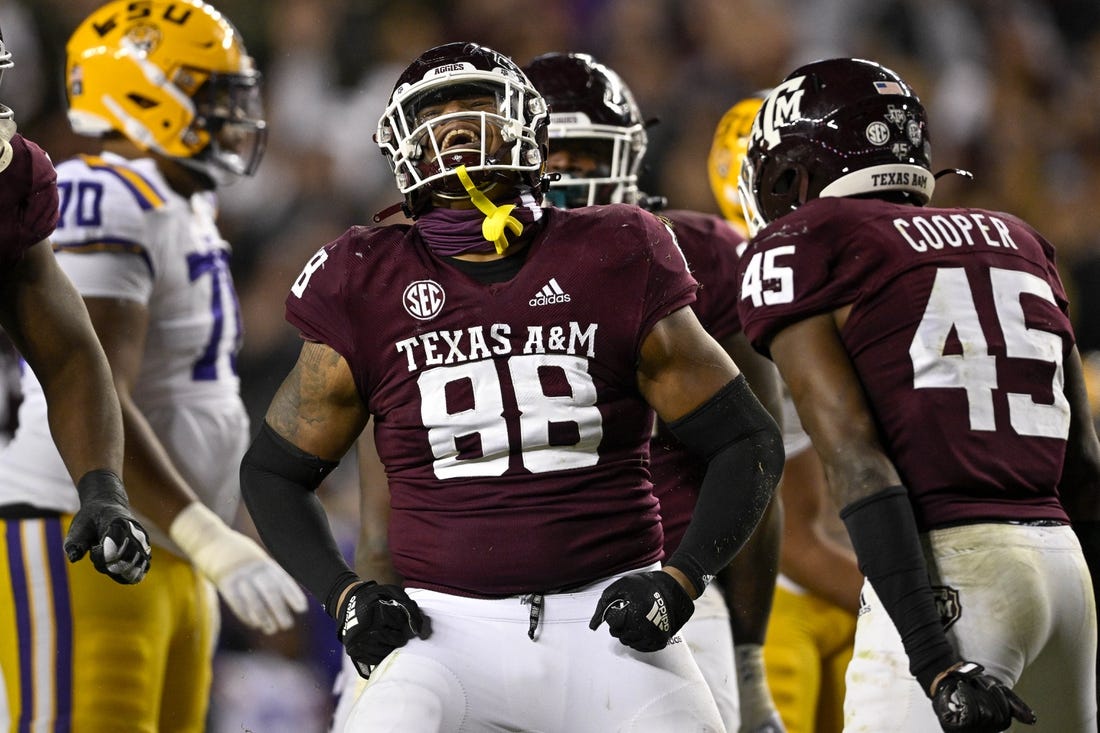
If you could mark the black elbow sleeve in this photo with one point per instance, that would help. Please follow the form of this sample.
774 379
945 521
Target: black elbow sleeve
278 484
744 451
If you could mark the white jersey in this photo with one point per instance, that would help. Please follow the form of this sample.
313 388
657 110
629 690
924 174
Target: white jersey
124 233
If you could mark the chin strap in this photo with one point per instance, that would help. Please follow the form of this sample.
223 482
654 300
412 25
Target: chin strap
496 217
954 171
389 211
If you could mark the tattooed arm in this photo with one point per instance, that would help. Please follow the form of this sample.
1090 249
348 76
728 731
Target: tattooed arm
318 408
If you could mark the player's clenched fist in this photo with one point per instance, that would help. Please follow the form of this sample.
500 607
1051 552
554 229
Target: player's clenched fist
643 610
376 619
104 525
967 701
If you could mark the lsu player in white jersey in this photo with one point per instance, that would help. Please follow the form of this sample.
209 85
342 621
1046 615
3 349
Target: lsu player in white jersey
174 96
48 326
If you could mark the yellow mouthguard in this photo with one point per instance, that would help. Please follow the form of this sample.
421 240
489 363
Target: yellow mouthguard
496 217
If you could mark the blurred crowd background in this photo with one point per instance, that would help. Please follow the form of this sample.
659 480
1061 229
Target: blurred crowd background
1012 88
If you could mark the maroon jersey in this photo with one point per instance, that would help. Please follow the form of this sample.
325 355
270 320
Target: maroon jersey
711 247
507 414
28 200
958 329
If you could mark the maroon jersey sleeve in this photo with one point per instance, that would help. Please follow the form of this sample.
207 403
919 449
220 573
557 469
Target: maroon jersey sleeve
28 200
1047 249
669 284
318 302
712 248
957 330
771 297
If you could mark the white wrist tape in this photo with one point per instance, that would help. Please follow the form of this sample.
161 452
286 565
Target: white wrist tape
197 528
257 590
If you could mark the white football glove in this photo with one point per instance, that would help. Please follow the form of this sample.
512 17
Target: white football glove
758 713
258 591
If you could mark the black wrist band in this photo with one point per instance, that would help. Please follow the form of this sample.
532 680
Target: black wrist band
884 536
332 598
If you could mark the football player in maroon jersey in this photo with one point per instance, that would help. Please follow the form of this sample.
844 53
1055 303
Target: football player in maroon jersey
45 318
597 145
930 355
511 358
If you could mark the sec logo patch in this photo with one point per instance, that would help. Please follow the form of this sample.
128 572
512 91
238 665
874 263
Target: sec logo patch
423 299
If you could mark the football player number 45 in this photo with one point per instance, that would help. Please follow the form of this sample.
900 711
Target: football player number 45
951 309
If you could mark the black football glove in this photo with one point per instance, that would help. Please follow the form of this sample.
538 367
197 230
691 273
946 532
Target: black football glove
376 619
967 701
119 544
644 610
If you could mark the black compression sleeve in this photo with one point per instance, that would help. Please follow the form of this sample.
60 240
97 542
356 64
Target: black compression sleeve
278 482
744 452
884 536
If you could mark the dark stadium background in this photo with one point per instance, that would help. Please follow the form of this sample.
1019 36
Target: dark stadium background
1012 87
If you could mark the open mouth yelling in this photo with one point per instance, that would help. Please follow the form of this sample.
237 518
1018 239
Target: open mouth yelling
460 139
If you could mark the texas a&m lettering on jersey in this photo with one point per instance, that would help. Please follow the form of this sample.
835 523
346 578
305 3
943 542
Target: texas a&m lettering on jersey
473 384
954 312
435 348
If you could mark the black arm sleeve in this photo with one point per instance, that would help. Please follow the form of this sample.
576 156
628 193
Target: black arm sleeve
884 536
744 452
278 482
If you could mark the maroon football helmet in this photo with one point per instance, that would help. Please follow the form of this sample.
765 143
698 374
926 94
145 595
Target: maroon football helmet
840 127
590 106
424 160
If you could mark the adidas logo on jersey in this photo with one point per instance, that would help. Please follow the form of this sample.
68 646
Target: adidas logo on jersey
551 293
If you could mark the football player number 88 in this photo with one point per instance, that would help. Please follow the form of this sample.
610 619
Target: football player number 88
951 307
484 419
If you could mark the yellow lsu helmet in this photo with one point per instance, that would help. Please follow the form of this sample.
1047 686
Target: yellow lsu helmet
727 151
171 76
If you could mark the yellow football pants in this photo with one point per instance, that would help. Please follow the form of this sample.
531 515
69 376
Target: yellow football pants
806 652
81 653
